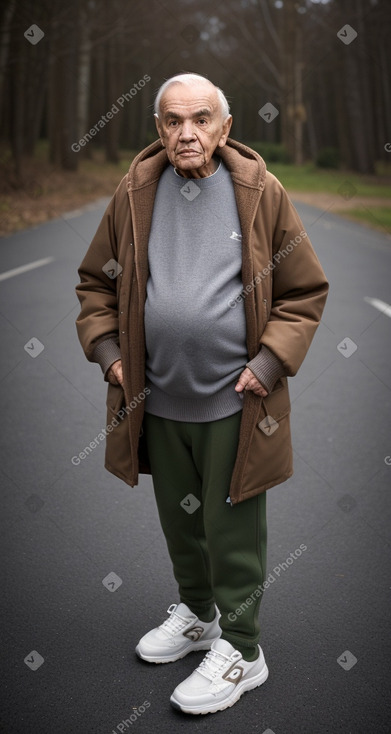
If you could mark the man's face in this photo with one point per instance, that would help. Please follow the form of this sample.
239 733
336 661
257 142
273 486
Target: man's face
191 127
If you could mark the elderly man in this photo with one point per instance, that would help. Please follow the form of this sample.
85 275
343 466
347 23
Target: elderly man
200 293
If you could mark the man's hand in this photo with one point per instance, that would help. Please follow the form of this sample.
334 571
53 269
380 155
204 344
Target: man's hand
115 374
248 381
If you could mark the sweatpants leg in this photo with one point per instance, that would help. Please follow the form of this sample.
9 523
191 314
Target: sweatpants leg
175 478
218 551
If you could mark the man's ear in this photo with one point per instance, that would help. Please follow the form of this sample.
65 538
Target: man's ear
159 129
226 128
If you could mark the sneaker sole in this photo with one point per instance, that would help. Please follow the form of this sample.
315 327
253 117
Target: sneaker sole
202 645
241 688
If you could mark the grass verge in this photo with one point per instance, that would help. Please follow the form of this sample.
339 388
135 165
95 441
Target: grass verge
308 178
378 217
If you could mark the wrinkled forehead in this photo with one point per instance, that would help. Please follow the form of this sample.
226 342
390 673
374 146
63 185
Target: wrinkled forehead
186 100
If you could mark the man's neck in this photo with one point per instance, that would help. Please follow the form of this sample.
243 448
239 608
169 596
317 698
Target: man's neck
203 172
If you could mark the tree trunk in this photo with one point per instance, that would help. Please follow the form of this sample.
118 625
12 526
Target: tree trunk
385 95
359 124
114 87
17 105
54 118
4 45
35 94
313 144
84 74
287 105
342 118
62 95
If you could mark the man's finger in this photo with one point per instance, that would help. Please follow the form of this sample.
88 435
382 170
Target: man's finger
246 381
243 380
115 374
240 385
118 375
111 377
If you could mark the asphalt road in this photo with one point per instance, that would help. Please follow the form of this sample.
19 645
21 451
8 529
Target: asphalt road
68 664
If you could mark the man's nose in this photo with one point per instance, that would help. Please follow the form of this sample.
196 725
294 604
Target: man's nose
187 131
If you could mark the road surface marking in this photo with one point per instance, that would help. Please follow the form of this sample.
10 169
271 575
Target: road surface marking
25 268
380 305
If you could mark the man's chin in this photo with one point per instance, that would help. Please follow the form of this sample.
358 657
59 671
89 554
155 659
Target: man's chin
190 161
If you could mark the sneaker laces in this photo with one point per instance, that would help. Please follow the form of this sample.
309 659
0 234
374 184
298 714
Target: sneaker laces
213 664
175 623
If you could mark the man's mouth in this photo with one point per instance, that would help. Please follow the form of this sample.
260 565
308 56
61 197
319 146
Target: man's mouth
187 151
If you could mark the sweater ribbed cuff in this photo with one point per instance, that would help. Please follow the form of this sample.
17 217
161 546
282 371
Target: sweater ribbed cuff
106 353
267 368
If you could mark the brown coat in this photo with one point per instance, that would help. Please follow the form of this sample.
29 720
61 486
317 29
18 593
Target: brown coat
284 301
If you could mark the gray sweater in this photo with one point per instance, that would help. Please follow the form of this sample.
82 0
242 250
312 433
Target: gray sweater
196 342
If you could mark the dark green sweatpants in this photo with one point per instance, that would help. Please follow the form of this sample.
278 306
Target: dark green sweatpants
218 551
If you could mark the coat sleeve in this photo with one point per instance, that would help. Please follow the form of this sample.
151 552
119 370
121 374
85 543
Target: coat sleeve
97 323
299 287
267 368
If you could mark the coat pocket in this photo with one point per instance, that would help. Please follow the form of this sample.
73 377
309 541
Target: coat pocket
118 453
269 460
115 398
275 406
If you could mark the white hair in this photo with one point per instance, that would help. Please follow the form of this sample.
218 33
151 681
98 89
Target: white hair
191 80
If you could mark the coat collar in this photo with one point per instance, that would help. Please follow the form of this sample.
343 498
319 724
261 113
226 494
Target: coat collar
247 168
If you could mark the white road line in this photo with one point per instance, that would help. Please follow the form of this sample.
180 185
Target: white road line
25 268
380 305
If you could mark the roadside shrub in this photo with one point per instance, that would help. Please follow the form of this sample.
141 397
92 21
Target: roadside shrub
271 152
327 158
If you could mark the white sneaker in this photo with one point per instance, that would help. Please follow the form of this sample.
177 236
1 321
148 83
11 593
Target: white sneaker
181 633
219 680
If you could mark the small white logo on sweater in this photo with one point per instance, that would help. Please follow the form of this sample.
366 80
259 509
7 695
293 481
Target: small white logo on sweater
236 236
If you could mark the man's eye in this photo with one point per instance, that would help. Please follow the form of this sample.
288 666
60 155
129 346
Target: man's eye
173 123
202 120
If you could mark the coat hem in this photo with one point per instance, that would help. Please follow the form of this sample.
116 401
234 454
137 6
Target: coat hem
119 475
262 488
